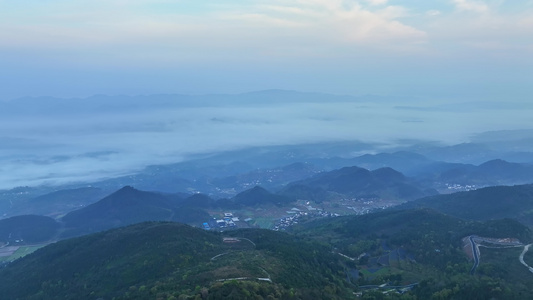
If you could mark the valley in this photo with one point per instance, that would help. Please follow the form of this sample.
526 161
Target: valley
383 232
266 150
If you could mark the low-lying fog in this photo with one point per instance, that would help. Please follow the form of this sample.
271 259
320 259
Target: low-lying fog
57 141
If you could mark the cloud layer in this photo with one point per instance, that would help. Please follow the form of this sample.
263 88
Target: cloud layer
72 145
444 51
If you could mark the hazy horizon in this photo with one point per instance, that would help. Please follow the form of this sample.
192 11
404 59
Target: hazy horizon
59 141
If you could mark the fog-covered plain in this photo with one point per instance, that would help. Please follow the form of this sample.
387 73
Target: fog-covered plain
52 141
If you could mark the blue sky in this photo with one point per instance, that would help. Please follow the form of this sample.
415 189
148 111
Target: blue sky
470 49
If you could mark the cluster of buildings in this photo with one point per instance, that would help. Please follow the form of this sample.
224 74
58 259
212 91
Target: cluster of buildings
362 206
283 223
228 221
295 215
368 209
459 187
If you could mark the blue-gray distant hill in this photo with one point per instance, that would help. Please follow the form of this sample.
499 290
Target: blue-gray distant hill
477 152
438 173
357 182
27 229
57 203
129 206
99 104
258 196
272 178
493 172
515 202
250 198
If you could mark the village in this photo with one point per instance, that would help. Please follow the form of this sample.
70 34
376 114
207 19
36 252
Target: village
227 221
281 219
455 187
296 215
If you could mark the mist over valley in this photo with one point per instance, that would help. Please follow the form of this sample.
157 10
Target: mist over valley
55 141
187 150
392 182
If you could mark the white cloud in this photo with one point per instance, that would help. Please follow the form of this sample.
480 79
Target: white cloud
114 26
344 21
469 5
490 28
377 2
433 13
393 12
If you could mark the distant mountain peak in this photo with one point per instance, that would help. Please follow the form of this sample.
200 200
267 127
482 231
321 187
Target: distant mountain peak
273 92
352 169
256 190
128 188
388 173
258 196
126 191
356 182
496 162
297 166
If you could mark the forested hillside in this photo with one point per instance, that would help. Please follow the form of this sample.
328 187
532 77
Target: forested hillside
414 254
171 260
484 204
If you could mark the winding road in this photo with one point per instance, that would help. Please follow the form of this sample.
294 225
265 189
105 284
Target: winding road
475 252
501 243
521 258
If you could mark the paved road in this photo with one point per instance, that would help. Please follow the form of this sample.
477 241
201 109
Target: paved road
474 239
475 252
521 258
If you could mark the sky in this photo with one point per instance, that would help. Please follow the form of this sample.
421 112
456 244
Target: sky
471 49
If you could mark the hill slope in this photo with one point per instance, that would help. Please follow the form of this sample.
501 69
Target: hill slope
51 204
484 204
423 246
325 259
357 182
490 173
27 229
168 260
259 196
128 206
